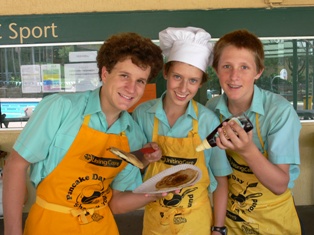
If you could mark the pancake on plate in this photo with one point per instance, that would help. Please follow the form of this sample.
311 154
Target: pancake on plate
128 157
177 179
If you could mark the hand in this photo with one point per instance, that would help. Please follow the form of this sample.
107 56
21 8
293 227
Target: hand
161 195
154 156
232 136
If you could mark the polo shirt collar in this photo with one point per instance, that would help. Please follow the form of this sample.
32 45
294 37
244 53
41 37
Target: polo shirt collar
257 103
93 106
93 102
256 106
157 108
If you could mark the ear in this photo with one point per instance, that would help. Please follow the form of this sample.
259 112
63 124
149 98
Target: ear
104 74
164 74
257 76
216 72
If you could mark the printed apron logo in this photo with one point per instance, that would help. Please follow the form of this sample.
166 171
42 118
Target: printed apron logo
87 193
173 161
100 161
243 201
174 206
177 198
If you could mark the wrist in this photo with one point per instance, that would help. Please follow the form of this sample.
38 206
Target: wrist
222 230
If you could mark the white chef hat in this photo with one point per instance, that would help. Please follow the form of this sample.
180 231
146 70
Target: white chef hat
189 45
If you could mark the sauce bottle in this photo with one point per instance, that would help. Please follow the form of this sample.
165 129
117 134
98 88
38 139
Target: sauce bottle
210 140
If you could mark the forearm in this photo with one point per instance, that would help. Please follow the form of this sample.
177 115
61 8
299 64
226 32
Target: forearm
220 197
272 176
123 202
14 194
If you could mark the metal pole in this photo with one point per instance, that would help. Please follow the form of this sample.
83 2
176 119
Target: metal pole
307 75
295 74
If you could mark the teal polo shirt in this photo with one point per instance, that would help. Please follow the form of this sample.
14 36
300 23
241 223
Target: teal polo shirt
54 125
216 160
279 125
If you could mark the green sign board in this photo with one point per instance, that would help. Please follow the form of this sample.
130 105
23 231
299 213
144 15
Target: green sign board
87 27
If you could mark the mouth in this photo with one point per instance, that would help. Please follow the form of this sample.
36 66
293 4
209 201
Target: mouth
126 97
233 86
181 96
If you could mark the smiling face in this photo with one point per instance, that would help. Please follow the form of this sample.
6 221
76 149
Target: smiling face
237 72
183 82
122 87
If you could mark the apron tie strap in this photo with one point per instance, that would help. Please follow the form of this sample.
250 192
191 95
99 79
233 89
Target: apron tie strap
79 213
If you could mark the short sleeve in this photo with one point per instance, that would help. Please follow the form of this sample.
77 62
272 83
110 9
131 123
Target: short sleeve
128 179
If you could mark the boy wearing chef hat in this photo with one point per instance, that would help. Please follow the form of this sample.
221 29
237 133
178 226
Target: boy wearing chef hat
178 124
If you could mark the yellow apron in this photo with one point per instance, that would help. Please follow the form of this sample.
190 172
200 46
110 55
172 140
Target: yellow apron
252 208
188 212
73 198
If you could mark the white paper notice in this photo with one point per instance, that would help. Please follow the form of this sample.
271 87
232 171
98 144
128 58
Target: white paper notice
81 77
51 77
82 56
31 81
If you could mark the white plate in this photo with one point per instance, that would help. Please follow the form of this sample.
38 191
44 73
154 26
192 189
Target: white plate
149 186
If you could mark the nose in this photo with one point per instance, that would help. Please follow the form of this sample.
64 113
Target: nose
183 86
234 74
130 86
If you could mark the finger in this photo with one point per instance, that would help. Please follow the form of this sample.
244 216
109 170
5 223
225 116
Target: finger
152 157
219 144
231 132
227 137
223 135
154 145
241 137
236 128
177 191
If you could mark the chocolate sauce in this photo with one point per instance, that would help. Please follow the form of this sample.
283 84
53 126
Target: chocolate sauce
210 140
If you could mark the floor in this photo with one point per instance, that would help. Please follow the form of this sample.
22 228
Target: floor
131 223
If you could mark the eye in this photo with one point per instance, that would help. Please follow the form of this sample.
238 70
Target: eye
124 76
176 76
226 66
244 67
193 81
142 81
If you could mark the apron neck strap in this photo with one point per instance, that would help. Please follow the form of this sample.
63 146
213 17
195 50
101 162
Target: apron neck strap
86 120
194 122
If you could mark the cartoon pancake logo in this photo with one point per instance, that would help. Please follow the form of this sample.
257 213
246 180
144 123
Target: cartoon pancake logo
91 194
241 197
175 199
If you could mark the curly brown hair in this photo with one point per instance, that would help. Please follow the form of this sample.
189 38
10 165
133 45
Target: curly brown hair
142 51
240 39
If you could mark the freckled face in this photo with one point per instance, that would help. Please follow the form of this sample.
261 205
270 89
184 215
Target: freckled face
183 82
237 72
123 86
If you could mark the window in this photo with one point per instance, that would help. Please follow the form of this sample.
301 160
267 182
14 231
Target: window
289 66
29 73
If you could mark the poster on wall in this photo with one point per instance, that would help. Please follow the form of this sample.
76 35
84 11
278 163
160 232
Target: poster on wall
81 77
51 77
30 77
